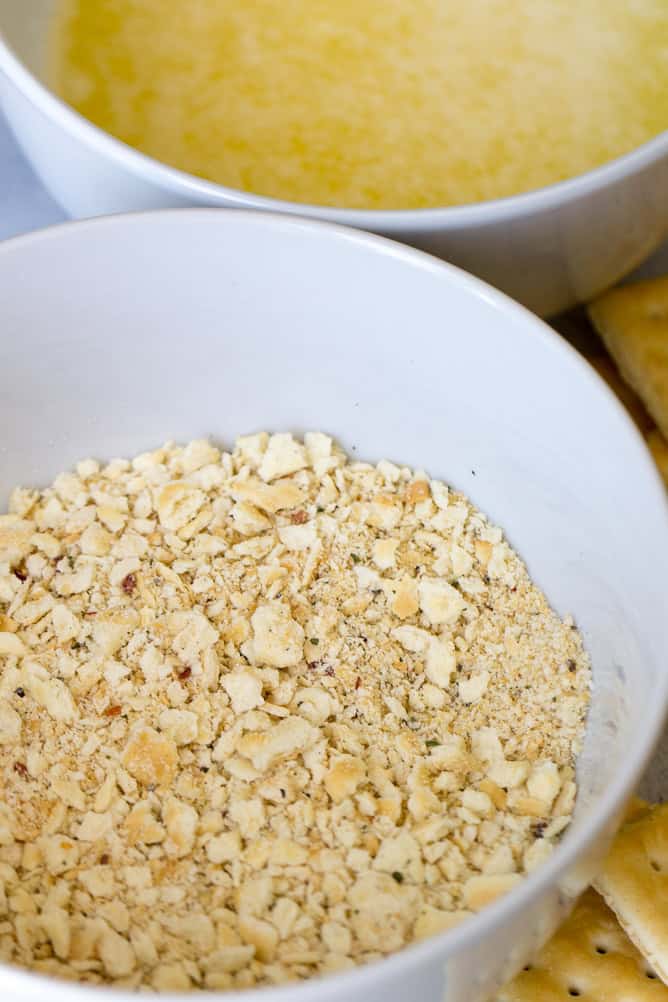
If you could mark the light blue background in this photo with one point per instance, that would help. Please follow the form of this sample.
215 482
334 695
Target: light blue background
24 204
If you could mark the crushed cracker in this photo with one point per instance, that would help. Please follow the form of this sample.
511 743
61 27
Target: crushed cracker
267 714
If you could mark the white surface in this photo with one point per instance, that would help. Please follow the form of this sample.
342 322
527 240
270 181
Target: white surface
134 329
24 204
549 248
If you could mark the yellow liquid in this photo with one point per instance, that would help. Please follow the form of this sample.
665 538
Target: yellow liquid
377 104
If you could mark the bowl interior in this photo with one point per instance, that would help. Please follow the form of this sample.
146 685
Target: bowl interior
126 332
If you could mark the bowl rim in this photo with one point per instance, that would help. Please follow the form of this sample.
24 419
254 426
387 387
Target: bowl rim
28 986
457 217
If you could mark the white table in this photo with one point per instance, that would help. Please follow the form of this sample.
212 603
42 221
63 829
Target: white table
25 205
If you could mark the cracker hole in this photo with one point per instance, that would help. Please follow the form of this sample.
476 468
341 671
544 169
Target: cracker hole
651 975
602 950
574 992
527 967
655 866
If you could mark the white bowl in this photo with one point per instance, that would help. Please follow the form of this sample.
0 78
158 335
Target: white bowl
124 332
549 249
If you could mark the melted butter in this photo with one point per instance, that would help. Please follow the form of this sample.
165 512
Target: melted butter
370 103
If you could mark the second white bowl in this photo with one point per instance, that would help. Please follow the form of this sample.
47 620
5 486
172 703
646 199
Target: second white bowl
549 249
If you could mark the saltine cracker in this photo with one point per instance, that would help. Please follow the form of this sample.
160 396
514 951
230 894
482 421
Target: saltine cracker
659 449
634 883
589 956
633 322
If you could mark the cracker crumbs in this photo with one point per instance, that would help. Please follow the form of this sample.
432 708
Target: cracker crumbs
267 714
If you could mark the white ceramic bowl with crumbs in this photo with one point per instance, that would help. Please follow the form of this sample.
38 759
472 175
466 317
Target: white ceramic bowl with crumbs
549 248
123 333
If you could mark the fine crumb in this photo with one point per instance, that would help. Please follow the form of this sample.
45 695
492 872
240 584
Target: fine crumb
267 714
